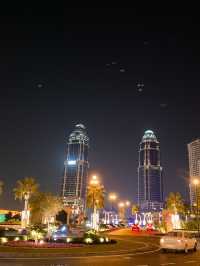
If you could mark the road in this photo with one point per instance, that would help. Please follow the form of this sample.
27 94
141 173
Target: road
146 254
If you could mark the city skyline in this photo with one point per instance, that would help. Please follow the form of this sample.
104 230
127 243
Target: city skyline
116 78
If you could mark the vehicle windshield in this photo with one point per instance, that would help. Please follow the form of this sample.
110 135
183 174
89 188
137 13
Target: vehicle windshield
174 234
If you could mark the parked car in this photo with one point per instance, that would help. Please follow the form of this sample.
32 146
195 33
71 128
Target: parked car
179 240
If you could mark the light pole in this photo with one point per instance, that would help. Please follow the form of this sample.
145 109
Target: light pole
94 182
122 208
112 198
196 183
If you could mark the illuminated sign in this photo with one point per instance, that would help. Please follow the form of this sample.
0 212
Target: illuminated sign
71 162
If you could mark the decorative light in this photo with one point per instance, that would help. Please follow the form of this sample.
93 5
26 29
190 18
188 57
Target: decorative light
88 240
4 239
71 162
127 203
101 239
161 240
196 181
16 238
63 228
121 204
41 242
69 239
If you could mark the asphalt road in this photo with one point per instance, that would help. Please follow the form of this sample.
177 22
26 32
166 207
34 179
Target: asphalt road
148 255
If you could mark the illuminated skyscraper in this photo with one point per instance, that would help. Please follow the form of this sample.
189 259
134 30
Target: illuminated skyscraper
76 168
150 182
194 168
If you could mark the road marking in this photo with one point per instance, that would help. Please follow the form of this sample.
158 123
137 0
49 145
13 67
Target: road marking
127 258
190 261
78 257
168 263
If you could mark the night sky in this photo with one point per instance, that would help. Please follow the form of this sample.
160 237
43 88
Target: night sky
68 66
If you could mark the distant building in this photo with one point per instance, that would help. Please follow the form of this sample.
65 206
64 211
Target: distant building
150 180
4 212
76 168
194 168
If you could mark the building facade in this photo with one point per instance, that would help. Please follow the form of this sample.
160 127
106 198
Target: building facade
194 168
76 167
150 180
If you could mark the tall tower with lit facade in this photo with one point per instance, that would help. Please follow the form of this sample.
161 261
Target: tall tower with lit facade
194 168
150 181
76 168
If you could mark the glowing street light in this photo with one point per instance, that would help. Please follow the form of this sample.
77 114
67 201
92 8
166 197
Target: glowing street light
196 181
112 197
127 203
94 180
121 204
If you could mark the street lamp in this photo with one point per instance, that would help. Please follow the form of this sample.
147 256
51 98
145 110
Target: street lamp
127 203
112 198
94 182
196 183
121 204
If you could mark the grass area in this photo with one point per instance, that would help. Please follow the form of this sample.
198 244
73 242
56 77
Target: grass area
102 248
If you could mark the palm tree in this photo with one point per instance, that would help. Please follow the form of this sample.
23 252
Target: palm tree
1 187
44 207
68 210
50 206
95 200
95 197
24 190
135 210
175 203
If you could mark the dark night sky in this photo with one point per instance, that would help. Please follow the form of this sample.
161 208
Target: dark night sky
54 74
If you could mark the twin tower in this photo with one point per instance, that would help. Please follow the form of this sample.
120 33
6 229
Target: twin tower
76 165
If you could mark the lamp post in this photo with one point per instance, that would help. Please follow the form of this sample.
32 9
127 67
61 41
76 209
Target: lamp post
94 182
122 208
196 183
112 198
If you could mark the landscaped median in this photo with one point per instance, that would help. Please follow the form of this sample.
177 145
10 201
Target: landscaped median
70 250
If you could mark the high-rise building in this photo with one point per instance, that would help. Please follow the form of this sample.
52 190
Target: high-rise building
76 168
150 181
194 168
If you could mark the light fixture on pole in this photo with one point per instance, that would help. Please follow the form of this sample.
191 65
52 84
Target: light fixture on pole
112 198
196 183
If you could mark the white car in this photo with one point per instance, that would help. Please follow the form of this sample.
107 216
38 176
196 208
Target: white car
179 240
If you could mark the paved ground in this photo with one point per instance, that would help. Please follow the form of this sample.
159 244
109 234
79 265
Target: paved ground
146 253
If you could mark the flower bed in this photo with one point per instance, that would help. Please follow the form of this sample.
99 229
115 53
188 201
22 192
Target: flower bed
27 244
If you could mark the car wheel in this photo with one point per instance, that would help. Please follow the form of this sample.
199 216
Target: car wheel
186 249
195 247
